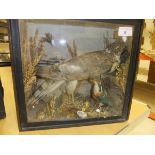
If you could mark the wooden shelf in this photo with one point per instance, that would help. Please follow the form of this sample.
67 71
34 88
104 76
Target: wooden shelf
3 24
4 64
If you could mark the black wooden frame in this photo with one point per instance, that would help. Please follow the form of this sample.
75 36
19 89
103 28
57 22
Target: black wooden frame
19 87
2 107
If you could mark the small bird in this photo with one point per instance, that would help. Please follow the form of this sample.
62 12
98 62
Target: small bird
48 38
99 94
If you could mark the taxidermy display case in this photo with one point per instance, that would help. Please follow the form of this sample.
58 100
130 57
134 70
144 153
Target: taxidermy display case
73 72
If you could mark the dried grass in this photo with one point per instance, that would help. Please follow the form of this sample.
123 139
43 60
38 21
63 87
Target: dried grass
32 52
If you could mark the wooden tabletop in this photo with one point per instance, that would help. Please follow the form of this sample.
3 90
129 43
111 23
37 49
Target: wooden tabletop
10 125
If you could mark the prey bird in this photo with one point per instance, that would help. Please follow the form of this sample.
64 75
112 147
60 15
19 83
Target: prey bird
88 65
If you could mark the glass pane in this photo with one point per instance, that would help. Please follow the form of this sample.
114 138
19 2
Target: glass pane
74 69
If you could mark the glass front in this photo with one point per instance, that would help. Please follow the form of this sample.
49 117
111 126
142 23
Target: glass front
74 69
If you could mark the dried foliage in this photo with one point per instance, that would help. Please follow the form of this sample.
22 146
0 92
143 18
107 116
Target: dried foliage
72 50
121 74
52 106
32 52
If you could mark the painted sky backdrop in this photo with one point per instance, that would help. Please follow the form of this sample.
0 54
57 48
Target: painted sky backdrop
87 39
